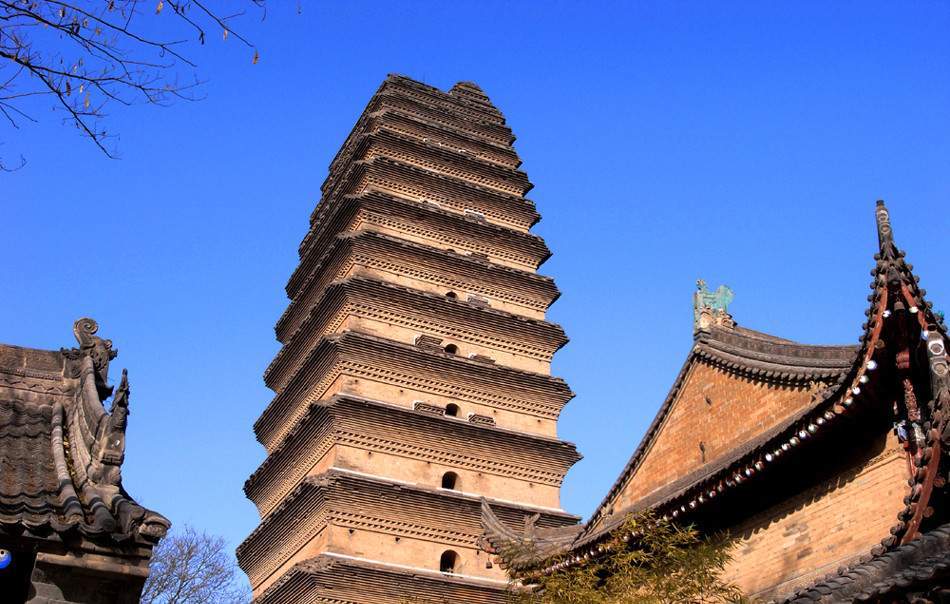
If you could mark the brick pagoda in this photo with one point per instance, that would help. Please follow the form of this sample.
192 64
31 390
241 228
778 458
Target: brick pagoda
414 379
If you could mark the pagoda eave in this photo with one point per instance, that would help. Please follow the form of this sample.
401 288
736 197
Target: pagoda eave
336 579
407 217
358 502
440 268
420 312
424 435
369 357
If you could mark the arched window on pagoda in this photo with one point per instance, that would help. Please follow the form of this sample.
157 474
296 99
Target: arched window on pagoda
452 349
449 562
450 480
452 410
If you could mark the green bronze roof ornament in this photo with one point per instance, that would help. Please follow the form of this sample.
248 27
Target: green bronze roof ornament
709 308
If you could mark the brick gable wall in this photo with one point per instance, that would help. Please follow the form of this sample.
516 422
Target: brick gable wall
740 409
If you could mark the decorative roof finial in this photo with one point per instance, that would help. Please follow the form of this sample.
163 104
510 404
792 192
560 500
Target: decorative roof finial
709 308
885 235
98 349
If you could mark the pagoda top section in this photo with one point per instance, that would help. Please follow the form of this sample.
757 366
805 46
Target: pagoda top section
463 121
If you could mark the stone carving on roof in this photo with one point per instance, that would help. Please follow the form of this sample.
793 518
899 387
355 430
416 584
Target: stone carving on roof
99 350
709 308
527 547
63 439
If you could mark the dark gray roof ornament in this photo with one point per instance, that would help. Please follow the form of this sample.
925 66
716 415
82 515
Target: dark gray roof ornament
99 350
709 308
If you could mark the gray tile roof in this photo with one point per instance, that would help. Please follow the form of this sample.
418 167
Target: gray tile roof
919 564
61 451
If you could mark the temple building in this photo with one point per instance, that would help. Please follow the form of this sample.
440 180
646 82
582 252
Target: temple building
414 378
69 533
827 464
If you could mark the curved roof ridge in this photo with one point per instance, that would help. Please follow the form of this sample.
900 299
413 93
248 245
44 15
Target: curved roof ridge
518 549
758 352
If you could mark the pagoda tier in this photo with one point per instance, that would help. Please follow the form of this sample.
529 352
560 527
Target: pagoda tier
340 579
429 442
429 223
431 155
420 220
423 267
424 187
366 365
353 303
450 192
414 381
394 117
342 511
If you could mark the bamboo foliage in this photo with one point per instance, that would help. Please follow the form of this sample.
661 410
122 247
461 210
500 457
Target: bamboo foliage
664 564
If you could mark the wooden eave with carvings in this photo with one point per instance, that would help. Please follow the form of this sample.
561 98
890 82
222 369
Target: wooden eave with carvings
422 435
369 357
454 271
467 233
338 579
60 480
907 344
424 312
902 359
361 502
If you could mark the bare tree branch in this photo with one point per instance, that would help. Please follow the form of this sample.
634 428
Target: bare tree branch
85 54
193 568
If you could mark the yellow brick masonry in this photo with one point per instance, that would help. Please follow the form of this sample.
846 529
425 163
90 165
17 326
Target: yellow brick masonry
828 526
740 409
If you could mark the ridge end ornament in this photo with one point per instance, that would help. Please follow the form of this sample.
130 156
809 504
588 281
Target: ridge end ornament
710 308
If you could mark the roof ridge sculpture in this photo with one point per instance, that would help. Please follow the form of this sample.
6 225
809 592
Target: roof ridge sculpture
80 450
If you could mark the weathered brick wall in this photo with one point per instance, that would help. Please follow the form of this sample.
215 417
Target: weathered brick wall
823 528
740 409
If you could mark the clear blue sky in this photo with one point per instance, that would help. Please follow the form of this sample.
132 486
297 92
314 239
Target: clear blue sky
743 143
